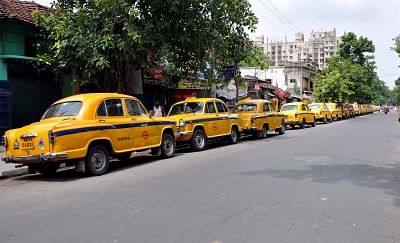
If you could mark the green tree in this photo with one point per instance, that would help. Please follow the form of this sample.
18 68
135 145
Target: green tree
102 41
350 76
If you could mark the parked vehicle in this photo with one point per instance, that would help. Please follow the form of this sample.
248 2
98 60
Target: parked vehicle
257 117
299 114
337 113
321 112
201 119
85 130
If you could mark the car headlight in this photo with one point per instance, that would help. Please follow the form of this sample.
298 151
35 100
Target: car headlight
182 122
4 141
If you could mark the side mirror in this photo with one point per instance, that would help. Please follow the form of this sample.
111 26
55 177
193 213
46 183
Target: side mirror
151 113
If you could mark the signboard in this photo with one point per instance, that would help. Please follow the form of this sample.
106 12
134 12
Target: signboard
229 72
189 84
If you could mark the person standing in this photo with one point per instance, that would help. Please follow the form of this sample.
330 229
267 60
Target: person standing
158 109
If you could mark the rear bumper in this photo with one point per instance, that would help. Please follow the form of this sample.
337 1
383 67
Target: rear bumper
31 159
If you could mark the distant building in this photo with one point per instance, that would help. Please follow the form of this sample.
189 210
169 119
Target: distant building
317 49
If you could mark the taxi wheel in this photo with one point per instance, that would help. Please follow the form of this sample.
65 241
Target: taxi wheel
167 146
325 120
199 140
97 161
282 130
303 124
263 133
47 169
233 138
313 123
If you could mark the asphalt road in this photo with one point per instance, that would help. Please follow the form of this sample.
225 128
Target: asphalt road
333 183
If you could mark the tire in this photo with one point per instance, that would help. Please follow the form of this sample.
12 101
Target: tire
233 138
303 124
48 169
199 140
123 156
263 133
313 123
282 129
167 146
97 161
325 120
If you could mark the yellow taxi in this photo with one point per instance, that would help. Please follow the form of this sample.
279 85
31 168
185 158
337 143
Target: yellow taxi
321 112
345 111
299 114
257 117
337 113
356 109
201 119
85 130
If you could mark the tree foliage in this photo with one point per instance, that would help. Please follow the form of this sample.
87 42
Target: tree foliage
350 76
102 41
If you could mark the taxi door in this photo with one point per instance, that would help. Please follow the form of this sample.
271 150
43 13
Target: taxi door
144 130
224 123
112 123
308 114
211 123
276 120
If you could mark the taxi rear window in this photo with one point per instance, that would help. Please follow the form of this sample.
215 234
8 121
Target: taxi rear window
70 108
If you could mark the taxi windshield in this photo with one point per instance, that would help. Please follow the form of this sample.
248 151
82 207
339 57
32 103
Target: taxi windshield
188 107
71 108
314 106
245 108
289 108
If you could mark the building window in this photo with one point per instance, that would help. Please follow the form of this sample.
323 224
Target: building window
30 46
292 81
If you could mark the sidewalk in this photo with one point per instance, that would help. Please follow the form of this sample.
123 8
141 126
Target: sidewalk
8 170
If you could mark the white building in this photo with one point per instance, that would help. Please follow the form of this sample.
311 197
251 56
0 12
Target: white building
317 49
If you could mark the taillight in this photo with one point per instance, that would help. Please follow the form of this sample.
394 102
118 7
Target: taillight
52 137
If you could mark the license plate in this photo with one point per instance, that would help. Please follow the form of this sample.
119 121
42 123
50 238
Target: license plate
28 143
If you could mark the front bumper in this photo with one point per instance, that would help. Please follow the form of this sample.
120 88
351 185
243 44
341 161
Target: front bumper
292 122
31 159
249 130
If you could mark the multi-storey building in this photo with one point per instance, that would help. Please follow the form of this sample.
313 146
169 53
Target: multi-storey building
317 49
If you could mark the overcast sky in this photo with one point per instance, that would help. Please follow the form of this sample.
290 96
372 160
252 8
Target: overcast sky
379 20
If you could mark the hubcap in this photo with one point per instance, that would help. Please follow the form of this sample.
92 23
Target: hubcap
168 146
199 140
234 135
98 160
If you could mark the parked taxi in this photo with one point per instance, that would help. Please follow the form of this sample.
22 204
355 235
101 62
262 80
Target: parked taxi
86 130
337 113
257 117
201 119
321 112
299 114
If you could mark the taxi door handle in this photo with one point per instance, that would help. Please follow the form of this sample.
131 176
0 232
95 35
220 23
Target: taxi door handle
102 121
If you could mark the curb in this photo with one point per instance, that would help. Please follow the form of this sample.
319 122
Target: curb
15 172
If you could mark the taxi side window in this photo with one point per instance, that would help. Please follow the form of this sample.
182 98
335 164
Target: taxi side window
112 107
305 108
221 107
210 108
272 107
134 108
266 107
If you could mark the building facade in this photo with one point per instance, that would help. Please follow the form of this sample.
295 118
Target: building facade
31 89
320 46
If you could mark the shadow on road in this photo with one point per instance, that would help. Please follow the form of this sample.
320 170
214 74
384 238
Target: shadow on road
69 174
386 178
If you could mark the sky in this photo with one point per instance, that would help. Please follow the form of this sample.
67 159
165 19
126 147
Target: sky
378 20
